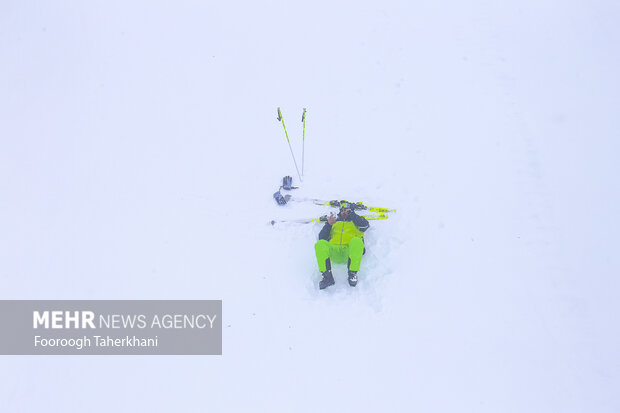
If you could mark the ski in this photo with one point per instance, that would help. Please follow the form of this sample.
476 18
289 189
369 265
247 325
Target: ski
324 219
356 206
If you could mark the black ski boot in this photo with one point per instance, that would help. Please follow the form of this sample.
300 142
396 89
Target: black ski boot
352 278
328 279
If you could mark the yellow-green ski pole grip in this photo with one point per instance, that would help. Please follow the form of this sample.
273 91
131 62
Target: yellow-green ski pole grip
303 119
281 119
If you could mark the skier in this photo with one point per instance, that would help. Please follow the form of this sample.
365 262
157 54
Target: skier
341 239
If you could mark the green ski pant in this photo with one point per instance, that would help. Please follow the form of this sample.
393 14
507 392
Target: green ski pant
339 253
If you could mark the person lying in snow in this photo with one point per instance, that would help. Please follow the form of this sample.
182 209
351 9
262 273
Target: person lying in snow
341 239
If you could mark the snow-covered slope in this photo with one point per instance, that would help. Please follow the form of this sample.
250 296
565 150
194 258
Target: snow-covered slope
139 150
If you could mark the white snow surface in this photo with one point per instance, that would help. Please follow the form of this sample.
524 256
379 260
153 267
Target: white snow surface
139 151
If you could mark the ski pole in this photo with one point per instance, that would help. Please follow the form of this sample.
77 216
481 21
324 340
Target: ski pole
303 141
281 119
